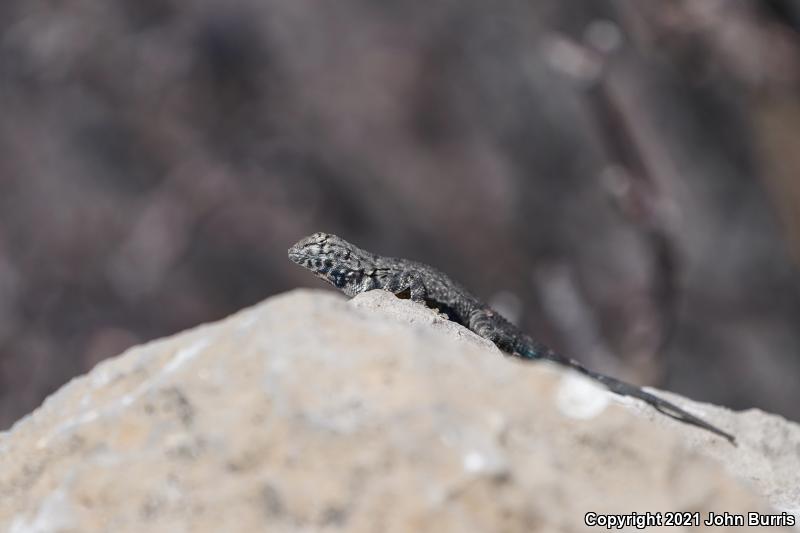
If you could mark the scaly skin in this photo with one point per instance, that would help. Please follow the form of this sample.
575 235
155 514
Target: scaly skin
353 271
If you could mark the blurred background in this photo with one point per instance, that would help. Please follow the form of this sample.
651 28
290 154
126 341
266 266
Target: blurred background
621 178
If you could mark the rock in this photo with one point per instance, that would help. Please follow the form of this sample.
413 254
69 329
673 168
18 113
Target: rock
311 413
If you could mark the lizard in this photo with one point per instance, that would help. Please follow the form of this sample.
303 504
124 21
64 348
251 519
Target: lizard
353 271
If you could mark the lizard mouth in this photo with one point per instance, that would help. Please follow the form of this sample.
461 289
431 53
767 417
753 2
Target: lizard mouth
295 255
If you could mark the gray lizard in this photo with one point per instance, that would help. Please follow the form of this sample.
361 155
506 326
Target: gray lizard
353 271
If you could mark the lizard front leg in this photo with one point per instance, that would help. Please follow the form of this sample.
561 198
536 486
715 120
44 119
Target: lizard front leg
407 280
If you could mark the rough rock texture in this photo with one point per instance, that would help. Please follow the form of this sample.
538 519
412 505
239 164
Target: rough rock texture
311 413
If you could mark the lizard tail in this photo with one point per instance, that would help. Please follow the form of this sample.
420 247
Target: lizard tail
626 389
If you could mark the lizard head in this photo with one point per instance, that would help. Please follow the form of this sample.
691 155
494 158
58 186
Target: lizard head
333 259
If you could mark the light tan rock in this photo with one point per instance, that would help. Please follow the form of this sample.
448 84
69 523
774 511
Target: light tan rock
311 413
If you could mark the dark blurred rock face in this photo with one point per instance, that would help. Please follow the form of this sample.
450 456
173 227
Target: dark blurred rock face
619 176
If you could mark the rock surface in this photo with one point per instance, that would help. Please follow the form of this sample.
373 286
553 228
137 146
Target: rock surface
311 413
